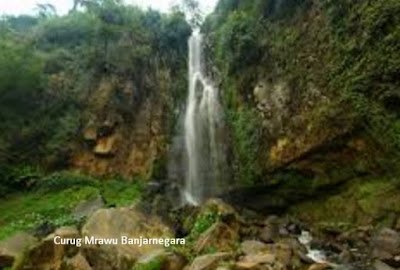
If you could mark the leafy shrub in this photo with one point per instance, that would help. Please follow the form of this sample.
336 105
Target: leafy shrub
247 143
238 44
204 221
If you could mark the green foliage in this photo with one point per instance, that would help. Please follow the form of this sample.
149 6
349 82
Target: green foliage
154 264
61 180
367 64
13 179
68 31
119 192
56 195
29 210
247 137
360 202
49 65
203 222
237 45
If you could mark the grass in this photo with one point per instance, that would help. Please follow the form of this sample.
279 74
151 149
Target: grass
26 211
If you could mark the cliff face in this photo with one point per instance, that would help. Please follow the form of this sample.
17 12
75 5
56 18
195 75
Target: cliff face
318 80
125 129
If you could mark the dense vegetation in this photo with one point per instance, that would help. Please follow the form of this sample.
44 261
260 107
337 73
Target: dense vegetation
49 67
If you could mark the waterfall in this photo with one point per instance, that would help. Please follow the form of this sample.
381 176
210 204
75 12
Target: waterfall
203 130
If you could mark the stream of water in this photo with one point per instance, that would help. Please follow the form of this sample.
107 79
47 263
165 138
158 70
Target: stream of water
203 125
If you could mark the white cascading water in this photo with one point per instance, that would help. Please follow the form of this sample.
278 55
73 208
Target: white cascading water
203 124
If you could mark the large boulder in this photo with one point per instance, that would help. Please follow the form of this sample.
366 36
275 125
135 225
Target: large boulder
115 223
46 255
12 249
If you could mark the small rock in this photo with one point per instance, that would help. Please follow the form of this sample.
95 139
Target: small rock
293 228
283 231
268 233
283 253
319 266
208 262
78 262
386 246
397 226
249 247
255 260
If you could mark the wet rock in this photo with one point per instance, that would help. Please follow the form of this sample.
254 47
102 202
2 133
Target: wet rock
219 236
294 228
114 223
299 250
13 248
268 233
252 247
386 247
87 208
208 262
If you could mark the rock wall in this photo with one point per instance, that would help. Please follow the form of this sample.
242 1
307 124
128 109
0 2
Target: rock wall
297 65
126 126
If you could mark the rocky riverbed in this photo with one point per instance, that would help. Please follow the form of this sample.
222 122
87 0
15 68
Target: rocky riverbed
218 237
